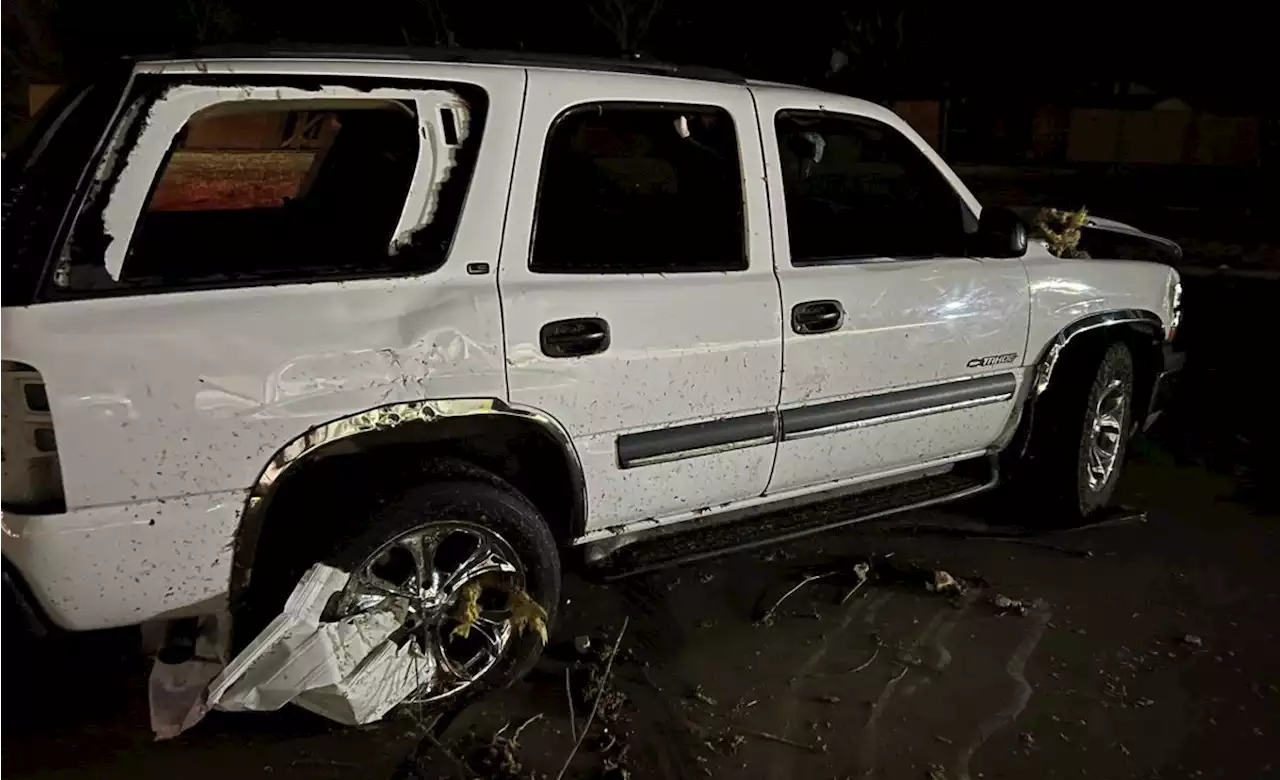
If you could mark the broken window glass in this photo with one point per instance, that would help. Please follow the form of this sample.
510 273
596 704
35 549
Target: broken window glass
215 186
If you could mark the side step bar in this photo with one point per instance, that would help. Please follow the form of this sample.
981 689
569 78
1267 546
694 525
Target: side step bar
967 479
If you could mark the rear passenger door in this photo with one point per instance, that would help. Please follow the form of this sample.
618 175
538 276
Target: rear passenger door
639 300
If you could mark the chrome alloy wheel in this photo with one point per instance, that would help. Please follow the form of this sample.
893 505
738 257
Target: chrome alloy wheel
423 574
1107 434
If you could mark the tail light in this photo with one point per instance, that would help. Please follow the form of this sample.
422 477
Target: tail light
32 476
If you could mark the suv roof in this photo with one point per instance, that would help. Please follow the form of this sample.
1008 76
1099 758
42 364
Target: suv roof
473 56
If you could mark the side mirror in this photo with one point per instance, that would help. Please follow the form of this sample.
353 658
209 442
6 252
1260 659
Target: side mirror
1001 233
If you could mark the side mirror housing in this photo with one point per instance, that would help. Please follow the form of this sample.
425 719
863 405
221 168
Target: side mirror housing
1001 233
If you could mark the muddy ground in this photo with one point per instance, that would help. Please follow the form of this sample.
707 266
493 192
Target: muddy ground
1152 656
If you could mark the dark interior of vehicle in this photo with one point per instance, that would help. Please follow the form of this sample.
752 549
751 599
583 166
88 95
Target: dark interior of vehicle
855 189
649 190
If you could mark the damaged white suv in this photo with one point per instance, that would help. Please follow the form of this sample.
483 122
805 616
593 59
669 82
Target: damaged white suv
465 312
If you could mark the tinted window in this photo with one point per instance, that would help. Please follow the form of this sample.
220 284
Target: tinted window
629 189
856 188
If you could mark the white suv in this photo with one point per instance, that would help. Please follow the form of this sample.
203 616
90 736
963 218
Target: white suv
465 312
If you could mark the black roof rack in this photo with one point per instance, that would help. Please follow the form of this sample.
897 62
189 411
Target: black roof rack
473 56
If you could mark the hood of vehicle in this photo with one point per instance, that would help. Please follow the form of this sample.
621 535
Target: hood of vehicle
1108 239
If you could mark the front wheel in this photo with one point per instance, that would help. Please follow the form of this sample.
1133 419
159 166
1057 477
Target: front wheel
1079 438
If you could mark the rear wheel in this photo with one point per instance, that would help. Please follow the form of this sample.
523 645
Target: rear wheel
1079 437
469 549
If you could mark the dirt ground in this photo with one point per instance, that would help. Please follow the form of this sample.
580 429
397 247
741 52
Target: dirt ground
1151 656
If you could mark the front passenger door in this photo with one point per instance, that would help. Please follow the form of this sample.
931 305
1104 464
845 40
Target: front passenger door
899 350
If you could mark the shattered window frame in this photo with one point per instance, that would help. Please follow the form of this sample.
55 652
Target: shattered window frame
424 250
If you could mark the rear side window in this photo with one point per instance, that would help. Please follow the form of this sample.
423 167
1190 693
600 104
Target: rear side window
856 188
218 210
297 189
640 188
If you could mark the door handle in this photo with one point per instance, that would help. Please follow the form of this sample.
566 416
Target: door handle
574 338
816 317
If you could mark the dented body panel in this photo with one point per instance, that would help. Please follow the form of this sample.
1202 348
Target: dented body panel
189 395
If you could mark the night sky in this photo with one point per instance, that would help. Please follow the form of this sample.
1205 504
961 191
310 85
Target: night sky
1058 51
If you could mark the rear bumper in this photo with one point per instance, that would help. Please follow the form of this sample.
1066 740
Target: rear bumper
119 565
1163 387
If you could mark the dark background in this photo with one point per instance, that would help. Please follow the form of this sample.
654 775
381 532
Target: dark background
1214 57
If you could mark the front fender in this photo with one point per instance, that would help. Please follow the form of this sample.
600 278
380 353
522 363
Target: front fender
1070 296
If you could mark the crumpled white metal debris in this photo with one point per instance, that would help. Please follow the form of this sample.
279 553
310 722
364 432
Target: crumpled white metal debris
352 670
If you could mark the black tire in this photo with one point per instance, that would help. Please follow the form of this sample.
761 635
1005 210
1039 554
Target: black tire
464 493
1053 481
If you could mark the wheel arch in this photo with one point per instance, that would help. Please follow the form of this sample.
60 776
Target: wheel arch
1142 330
487 431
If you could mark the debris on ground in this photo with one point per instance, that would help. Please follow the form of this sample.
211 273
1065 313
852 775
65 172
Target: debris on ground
816 747
1006 604
175 690
701 695
1193 640
937 772
498 759
881 570
944 583
602 684
726 744
352 670
582 644
767 617
589 682
862 571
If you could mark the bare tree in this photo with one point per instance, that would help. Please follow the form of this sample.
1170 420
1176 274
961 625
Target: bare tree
628 21
208 20
30 49
442 35
31 54
873 41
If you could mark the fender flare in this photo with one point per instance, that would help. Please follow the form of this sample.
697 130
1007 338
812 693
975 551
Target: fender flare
1042 369
1137 318
298 450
